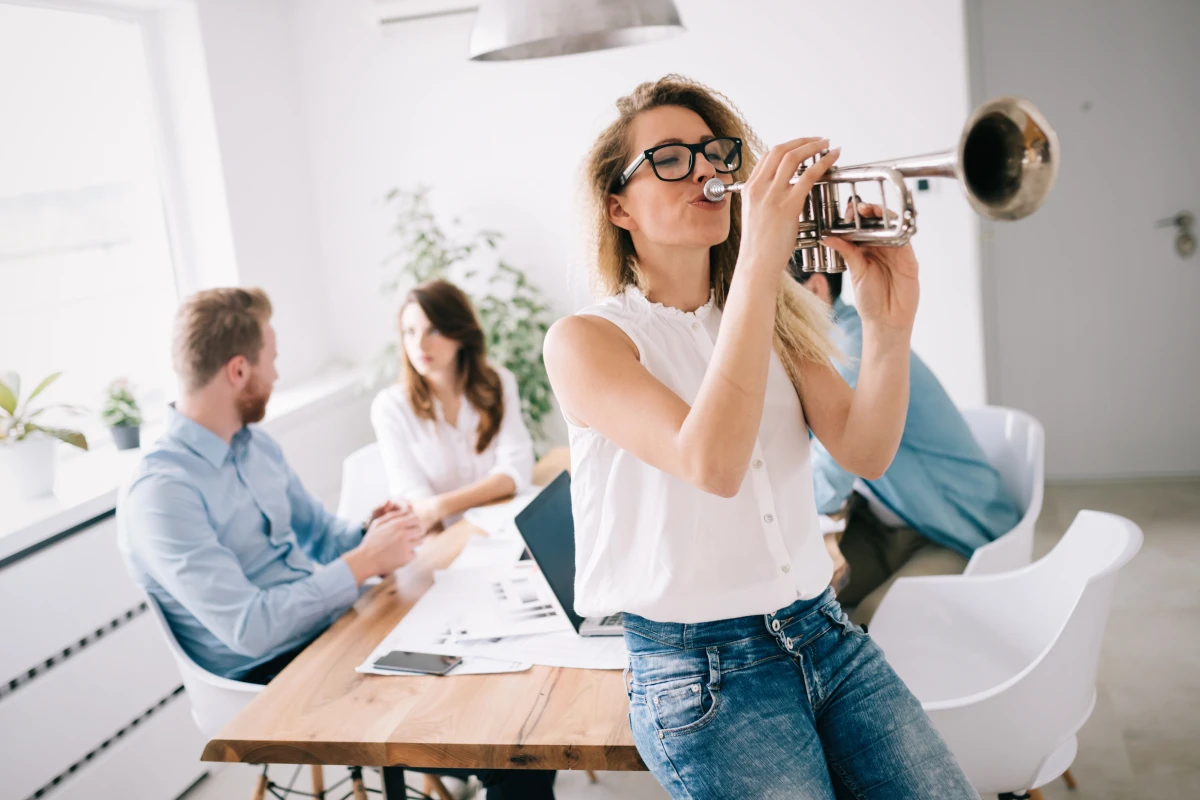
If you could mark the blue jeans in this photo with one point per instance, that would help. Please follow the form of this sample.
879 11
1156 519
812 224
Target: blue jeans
795 704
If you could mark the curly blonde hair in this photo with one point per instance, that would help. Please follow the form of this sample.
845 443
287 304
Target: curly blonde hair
802 324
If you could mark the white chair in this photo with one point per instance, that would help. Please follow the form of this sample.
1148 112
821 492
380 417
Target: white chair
1015 444
216 700
1005 664
364 483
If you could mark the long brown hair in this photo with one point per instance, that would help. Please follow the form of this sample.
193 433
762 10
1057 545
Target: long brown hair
450 311
801 321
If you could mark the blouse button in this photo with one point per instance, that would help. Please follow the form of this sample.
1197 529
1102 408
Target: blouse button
695 326
758 464
768 518
786 568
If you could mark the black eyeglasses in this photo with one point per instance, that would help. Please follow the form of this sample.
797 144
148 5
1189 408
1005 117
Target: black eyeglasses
674 162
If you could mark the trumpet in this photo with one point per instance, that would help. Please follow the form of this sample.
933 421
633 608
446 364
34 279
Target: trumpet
1005 162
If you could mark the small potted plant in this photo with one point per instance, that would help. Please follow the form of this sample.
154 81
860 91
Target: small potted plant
26 445
122 415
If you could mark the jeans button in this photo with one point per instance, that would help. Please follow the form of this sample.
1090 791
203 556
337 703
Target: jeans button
775 625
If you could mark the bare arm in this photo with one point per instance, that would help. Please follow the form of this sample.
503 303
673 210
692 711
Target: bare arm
433 510
861 427
600 383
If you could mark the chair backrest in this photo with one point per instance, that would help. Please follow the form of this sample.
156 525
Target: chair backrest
1015 444
364 482
1013 736
215 700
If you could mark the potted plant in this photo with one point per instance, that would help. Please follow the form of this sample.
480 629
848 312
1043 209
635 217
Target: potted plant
27 446
513 311
122 415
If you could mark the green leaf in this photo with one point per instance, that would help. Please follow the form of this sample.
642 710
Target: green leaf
48 380
8 399
73 438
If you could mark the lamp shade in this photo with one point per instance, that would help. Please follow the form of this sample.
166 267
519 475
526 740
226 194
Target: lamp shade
508 30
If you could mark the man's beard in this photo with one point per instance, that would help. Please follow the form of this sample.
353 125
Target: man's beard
252 402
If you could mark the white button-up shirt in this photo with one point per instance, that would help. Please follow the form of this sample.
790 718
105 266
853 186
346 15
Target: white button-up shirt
425 458
654 545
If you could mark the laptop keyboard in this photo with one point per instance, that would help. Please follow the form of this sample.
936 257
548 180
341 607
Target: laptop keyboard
611 620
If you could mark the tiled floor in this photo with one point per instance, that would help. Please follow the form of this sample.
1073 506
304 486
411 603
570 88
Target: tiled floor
1142 741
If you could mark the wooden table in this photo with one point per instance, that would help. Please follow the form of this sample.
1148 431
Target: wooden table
320 711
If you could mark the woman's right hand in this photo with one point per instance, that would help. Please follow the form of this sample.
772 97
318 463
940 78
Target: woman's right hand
772 205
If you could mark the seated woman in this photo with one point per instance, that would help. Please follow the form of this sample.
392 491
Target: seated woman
450 428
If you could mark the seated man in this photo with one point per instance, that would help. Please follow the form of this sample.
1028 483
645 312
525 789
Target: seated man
938 501
248 567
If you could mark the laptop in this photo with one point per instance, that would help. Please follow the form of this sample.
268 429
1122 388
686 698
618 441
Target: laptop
548 529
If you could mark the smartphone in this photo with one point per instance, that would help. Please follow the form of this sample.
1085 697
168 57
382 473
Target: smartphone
421 663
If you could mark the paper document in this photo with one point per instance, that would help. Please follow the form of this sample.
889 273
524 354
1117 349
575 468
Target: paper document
500 600
488 551
463 604
424 627
497 520
563 649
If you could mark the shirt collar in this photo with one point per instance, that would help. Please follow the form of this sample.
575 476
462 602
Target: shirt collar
669 312
197 438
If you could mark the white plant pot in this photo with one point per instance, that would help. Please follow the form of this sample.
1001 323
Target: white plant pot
27 468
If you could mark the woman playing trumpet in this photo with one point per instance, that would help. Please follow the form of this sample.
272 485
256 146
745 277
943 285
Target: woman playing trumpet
690 391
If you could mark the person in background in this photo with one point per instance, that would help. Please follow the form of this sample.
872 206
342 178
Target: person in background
247 566
938 501
450 428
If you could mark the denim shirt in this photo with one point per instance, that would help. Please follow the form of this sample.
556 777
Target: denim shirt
242 560
940 483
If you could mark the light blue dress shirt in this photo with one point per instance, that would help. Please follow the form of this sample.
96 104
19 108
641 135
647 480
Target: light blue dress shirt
243 561
940 483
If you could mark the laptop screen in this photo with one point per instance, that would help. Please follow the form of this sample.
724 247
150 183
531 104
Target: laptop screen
548 529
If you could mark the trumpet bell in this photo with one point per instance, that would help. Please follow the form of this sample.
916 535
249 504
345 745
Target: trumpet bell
1007 158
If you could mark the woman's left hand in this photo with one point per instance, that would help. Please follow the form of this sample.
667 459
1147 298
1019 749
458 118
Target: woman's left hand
885 283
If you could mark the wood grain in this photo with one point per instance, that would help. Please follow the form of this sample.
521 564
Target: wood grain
320 711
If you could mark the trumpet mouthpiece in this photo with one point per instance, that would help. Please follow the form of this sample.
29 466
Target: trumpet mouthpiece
716 188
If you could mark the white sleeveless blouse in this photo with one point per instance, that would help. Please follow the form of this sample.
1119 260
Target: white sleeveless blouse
654 545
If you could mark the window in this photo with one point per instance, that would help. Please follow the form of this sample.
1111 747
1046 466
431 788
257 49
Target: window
86 264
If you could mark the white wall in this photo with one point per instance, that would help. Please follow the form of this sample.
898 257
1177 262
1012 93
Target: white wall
1093 324
261 133
501 143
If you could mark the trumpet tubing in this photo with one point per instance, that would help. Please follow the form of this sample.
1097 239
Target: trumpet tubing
1006 162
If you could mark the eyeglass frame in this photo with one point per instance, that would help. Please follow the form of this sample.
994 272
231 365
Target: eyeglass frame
693 149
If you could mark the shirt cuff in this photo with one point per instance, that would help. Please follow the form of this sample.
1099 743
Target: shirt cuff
414 493
351 535
512 472
337 585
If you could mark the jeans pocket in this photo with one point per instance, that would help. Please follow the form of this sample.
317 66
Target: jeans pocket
678 706
838 616
686 703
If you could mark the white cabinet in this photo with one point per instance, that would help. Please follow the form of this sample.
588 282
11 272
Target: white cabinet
89 693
